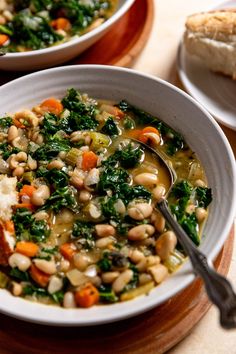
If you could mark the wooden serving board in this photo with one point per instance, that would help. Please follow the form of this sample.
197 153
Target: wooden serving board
154 332
120 46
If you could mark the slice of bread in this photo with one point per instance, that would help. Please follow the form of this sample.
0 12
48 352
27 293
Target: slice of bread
212 37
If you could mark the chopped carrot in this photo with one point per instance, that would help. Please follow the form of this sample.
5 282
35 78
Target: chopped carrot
52 105
143 138
87 296
24 205
18 124
27 190
119 113
61 23
9 226
134 133
89 160
67 250
3 39
5 249
29 249
38 276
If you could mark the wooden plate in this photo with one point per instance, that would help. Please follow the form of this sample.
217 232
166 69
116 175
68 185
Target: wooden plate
120 46
154 332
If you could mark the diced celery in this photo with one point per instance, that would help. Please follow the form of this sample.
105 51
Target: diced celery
72 156
29 176
4 280
141 290
174 261
99 140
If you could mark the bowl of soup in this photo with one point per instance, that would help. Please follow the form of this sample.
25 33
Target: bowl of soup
81 242
35 35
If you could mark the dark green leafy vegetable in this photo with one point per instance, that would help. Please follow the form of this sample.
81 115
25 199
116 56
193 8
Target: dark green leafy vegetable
111 178
28 228
5 122
51 149
203 196
106 293
19 275
128 123
110 128
83 232
33 290
173 140
105 263
7 150
61 198
128 156
54 177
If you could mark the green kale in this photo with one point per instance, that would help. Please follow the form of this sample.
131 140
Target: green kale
28 228
19 275
6 30
128 156
190 225
52 250
83 231
32 32
61 198
51 149
108 209
106 293
135 279
173 140
7 150
203 196
54 177
50 125
110 128
182 190
105 263
5 122
33 290
58 296
111 179
128 123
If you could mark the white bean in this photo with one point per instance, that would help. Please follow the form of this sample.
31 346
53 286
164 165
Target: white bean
81 261
16 288
136 256
159 192
55 284
140 211
40 196
146 179
201 214
104 242
48 267
18 260
12 133
109 277
122 280
165 244
84 196
69 300
104 230
141 232
159 272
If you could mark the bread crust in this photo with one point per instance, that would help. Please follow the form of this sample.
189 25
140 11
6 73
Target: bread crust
214 24
211 36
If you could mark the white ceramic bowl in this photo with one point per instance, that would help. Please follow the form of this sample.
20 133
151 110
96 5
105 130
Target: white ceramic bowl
178 110
58 54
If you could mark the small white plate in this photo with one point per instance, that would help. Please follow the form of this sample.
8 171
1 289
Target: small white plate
215 92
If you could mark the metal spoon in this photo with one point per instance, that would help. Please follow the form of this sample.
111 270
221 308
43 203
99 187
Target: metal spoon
218 288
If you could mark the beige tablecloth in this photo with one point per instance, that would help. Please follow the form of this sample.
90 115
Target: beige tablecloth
159 58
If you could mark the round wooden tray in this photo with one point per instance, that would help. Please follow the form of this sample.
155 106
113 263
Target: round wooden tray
120 46
156 331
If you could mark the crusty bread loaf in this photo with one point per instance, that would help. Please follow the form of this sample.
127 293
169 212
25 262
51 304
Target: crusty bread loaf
212 37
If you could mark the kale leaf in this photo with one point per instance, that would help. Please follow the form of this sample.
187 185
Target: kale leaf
51 149
111 178
106 293
61 198
203 196
110 128
7 150
54 177
5 122
83 231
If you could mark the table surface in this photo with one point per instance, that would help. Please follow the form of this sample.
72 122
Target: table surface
159 58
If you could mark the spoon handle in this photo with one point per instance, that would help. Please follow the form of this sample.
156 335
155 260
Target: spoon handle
218 288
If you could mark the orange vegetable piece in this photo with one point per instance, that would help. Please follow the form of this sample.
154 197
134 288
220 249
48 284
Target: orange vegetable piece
89 160
119 113
29 249
18 124
67 251
27 190
134 133
52 105
61 23
143 138
3 39
38 276
87 296
24 205
5 250
9 226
